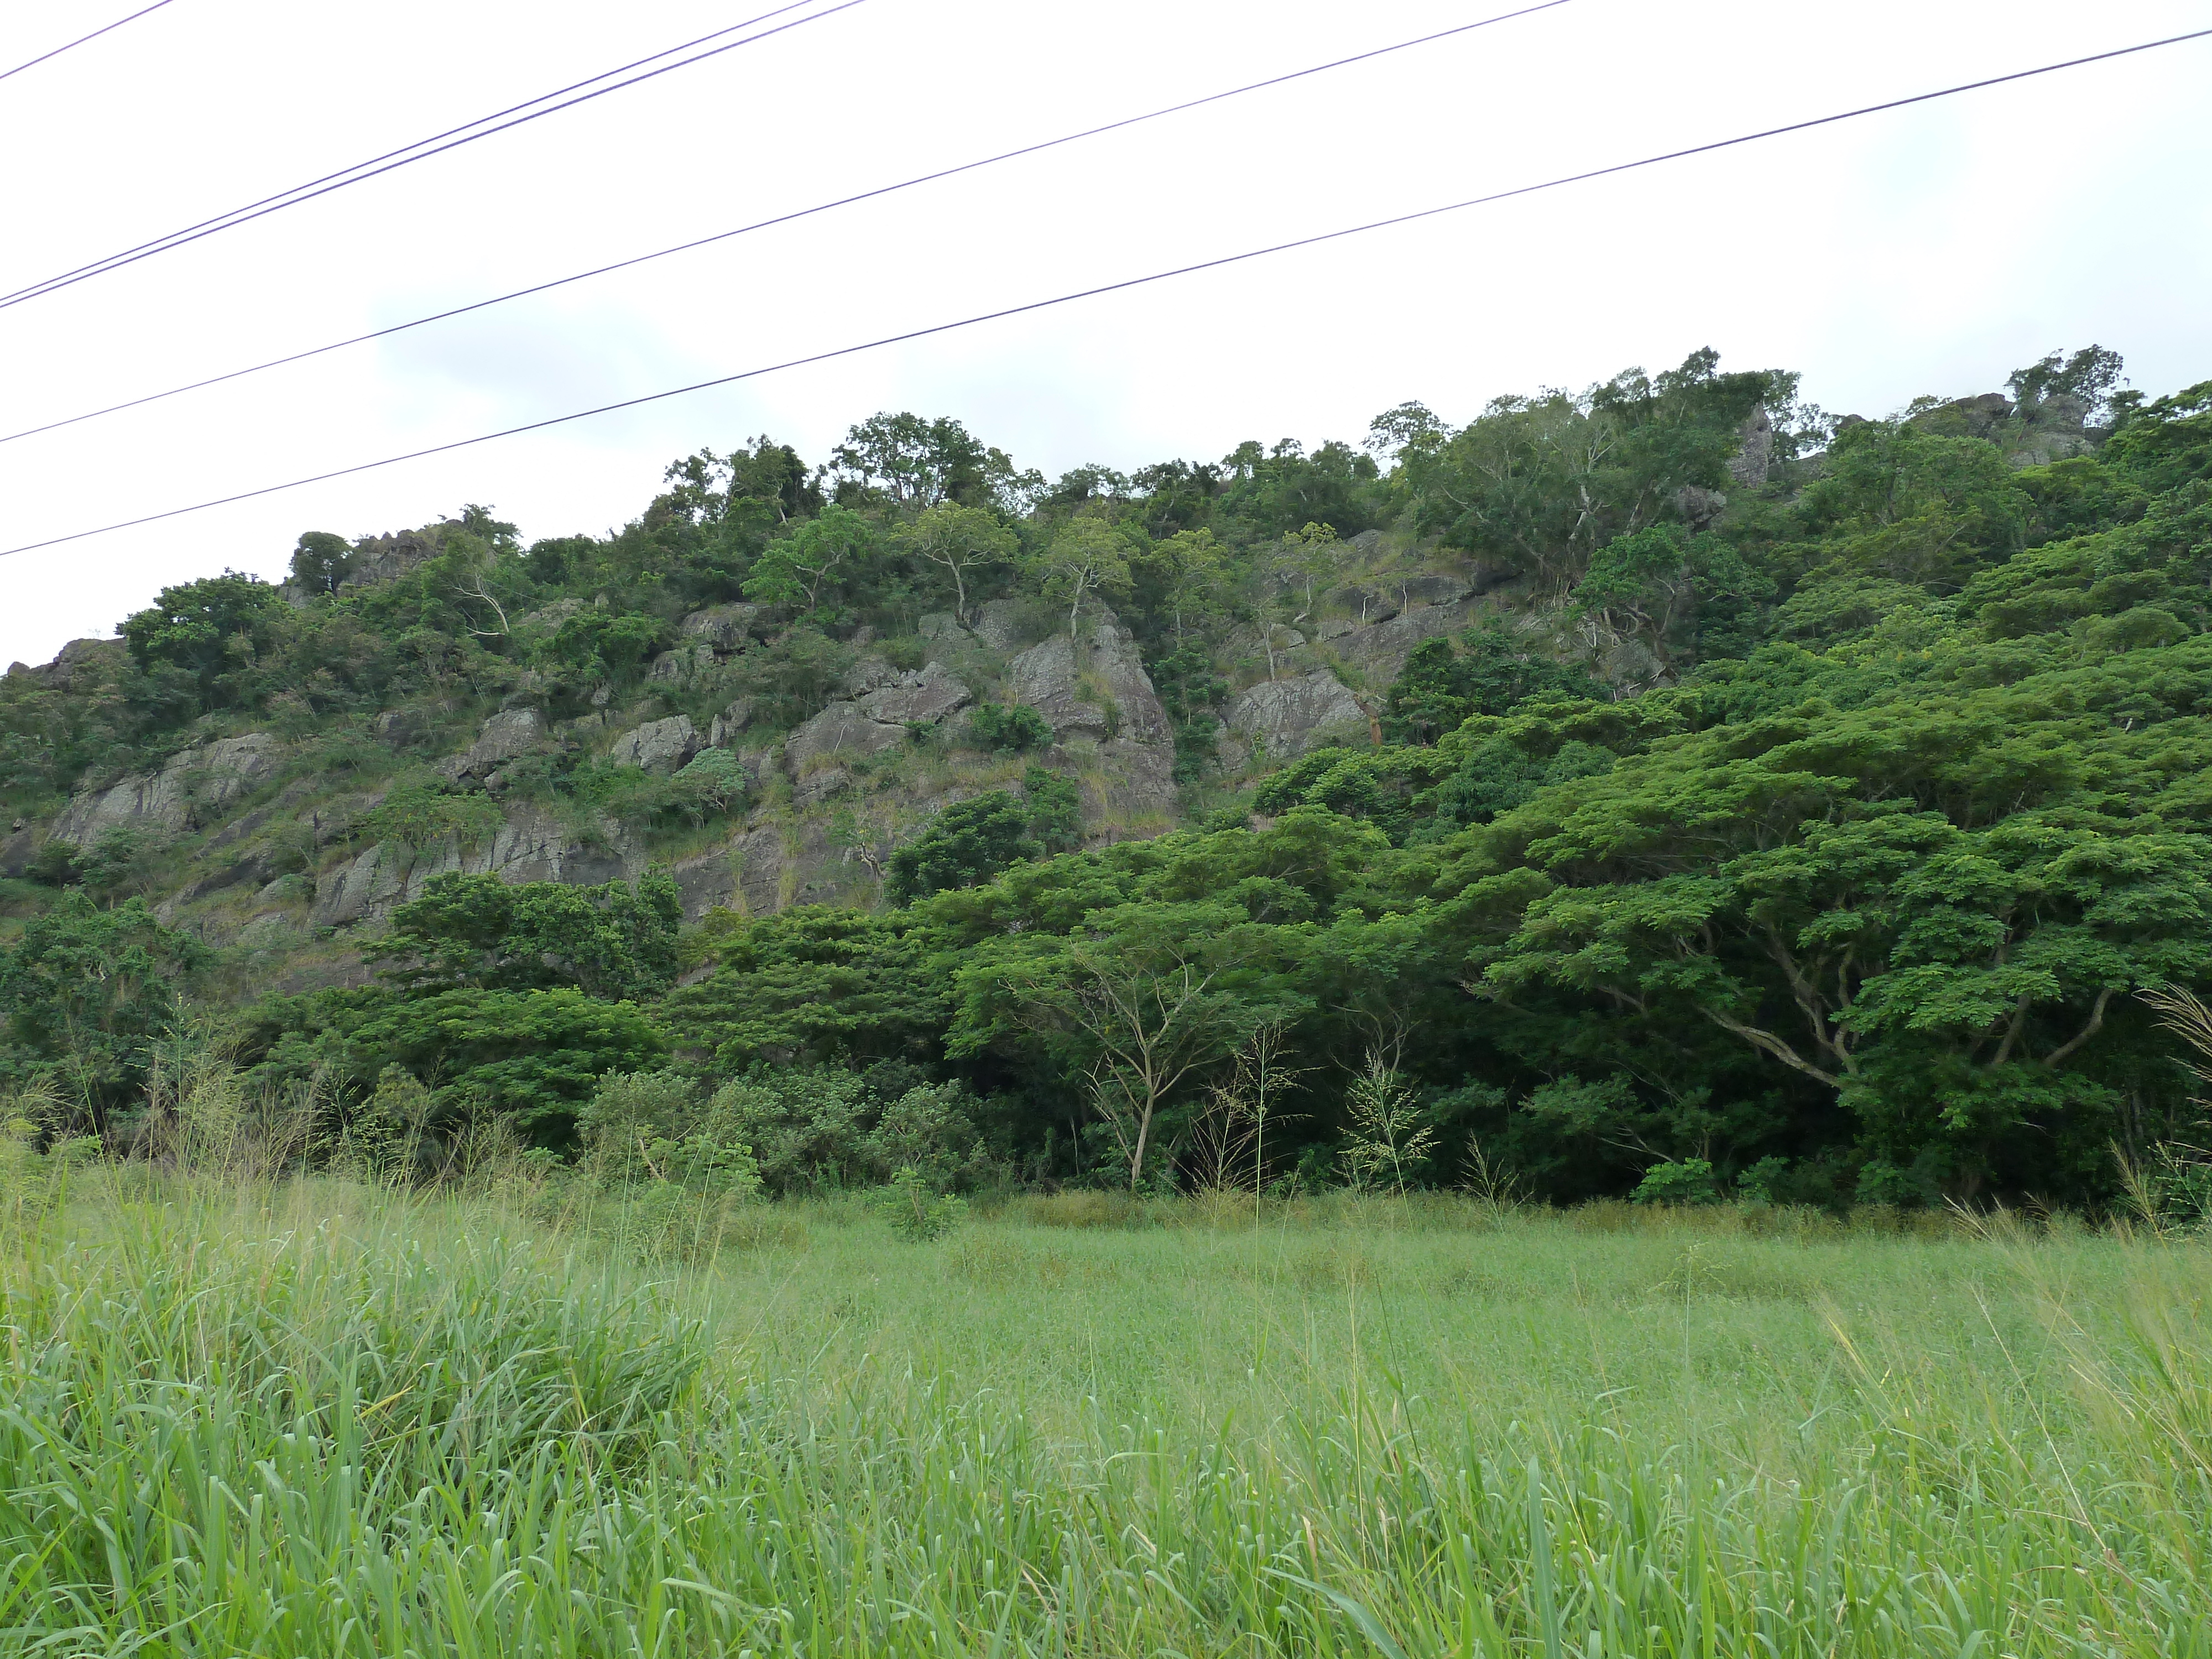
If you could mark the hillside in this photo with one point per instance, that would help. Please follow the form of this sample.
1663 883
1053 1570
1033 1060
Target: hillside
1666 776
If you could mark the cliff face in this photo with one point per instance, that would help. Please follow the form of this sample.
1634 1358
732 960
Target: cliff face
266 844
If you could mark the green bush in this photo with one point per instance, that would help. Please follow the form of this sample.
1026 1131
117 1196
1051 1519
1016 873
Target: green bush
1015 727
1690 1181
915 1209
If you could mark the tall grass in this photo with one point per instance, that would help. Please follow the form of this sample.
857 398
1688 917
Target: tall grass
308 1418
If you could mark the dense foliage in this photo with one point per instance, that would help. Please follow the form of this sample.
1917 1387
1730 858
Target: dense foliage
1805 832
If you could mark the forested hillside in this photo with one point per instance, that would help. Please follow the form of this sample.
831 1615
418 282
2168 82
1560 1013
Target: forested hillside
1663 788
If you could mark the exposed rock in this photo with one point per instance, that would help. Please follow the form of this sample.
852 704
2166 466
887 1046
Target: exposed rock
842 729
867 674
929 695
725 628
531 846
401 728
1699 506
273 931
727 724
1981 416
17 852
194 785
236 875
380 558
1003 624
551 617
1128 790
1755 455
657 745
506 735
818 786
1384 598
1284 718
2055 430
1380 651
684 664
942 634
79 664
1098 689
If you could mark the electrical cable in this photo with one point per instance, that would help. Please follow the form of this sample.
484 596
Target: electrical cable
81 38
377 166
1114 288
781 219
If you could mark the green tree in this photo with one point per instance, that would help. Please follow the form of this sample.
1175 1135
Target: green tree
811 985
87 993
973 840
1087 557
962 541
321 562
1488 673
214 629
617 941
806 569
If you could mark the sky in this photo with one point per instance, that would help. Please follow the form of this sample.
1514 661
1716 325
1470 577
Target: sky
1933 249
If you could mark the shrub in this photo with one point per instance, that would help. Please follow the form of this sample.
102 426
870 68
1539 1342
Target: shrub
423 813
1015 727
1690 1181
916 1210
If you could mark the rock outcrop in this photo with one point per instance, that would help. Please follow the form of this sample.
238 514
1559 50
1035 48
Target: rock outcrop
726 629
1380 651
659 746
1282 719
1754 458
730 723
1097 688
506 736
878 718
77 665
532 844
194 785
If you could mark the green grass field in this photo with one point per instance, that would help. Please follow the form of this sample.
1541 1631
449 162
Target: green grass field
312 1419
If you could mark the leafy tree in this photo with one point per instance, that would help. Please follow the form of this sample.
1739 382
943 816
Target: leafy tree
1086 557
1009 725
809 985
1488 673
1183 580
2168 442
87 993
617 941
960 540
973 840
1655 586
321 562
1139 1005
604 647
919 464
534 1058
806 569
429 810
214 629
1541 483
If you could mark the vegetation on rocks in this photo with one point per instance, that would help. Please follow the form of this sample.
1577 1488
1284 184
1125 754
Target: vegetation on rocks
1662 790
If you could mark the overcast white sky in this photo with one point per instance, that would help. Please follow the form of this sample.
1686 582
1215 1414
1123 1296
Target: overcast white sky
1929 249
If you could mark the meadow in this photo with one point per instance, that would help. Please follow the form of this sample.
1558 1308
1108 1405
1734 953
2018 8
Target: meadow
310 1417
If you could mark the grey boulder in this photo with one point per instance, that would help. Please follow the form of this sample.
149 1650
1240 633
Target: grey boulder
657 745
1286 718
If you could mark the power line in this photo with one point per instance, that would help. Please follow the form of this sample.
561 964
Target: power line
421 151
782 219
1115 287
81 38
